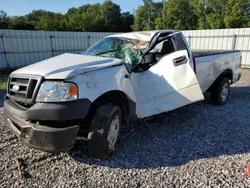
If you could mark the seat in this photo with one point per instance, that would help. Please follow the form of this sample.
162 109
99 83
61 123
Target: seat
167 48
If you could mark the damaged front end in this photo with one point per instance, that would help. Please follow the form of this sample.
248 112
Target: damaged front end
42 137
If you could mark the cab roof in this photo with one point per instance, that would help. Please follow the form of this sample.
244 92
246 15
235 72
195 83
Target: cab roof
141 35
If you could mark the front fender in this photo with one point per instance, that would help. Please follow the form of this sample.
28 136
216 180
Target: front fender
91 85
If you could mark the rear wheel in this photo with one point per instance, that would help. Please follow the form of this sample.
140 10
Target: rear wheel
220 91
105 129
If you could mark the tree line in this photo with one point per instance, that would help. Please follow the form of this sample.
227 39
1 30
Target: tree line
96 17
107 17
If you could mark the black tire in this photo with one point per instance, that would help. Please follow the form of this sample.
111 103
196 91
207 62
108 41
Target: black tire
217 89
98 146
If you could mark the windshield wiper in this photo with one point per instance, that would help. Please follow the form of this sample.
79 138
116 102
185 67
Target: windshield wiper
106 52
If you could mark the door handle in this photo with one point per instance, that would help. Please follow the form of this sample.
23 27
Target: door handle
180 60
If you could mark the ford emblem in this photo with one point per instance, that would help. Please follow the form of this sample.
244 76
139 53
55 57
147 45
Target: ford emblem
15 88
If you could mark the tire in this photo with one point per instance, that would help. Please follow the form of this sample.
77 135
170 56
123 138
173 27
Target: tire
220 91
101 144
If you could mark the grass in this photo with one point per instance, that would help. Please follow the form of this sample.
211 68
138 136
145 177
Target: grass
3 85
4 79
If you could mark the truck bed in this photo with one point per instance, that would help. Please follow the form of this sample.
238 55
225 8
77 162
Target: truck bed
201 53
210 64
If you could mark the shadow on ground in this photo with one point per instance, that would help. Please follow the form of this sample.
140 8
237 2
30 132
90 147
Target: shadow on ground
193 132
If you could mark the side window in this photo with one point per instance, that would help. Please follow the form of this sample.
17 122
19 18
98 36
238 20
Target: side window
157 48
162 48
180 44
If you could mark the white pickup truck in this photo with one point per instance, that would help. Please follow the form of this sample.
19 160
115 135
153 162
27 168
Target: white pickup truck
52 103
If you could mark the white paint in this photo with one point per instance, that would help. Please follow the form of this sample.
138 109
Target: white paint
76 42
67 65
208 68
222 39
141 35
92 85
165 87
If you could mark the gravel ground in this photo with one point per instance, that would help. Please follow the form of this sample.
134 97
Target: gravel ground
199 145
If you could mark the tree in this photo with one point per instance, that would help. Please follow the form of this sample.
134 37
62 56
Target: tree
90 17
34 17
146 16
236 14
127 21
178 14
50 21
20 23
4 20
140 19
215 13
97 17
168 14
111 15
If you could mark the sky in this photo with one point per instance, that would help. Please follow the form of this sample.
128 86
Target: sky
21 7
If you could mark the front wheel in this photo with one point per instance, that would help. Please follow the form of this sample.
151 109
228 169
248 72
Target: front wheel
220 91
105 129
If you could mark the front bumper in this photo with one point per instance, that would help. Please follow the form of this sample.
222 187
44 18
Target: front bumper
60 137
60 111
41 137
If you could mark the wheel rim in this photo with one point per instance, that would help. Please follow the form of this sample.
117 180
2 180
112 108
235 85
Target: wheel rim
224 92
113 132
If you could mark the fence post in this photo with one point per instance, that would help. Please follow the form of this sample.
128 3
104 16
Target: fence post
53 44
5 50
234 42
189 41
88 41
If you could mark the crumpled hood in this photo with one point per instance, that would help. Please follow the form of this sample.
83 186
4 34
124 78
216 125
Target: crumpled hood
67 65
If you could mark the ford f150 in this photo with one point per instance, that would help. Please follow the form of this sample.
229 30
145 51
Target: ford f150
89 96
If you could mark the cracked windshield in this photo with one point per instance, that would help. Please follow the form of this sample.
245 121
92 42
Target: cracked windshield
129 50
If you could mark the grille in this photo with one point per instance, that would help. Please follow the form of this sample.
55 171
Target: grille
23 89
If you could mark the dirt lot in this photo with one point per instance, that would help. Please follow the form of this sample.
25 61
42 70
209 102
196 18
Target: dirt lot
200 145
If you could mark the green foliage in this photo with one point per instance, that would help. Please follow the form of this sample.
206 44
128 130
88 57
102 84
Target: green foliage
20 22
127 21
111 16
179 14
236 14
210 13
4 20
51 22
85 18
96 17
167 14
146 17
194 14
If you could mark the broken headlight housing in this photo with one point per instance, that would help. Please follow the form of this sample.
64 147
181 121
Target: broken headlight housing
57 91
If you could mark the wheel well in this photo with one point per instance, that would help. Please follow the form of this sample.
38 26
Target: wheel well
225 74
117 97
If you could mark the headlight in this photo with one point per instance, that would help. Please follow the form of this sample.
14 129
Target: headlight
57 91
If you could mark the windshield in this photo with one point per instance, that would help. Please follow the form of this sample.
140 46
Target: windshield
129 50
